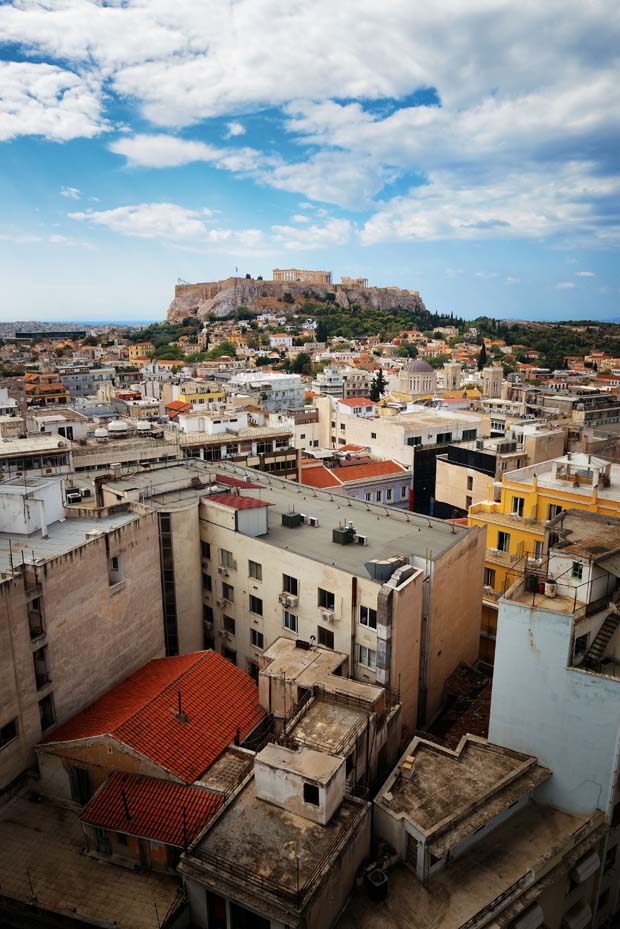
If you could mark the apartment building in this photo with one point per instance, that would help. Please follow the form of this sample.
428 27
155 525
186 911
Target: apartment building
80 603
467 472
44 390
274 392
515 520
468 844
393 434
556 687
373 481
343 382
304 426
35 456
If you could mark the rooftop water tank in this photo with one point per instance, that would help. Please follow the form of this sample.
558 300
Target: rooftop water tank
143 426
101 434
118 426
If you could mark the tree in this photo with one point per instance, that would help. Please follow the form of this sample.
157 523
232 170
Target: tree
302 363
321 331
482 357
378 386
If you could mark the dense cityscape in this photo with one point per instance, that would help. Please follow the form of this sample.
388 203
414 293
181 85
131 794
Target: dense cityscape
309 464
309 615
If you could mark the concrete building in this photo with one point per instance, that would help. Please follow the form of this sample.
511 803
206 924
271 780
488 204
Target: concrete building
304 426
467 472
467 843
452 376
556 688
296 275
373 481
343 382
36 456
44 390
80 608
274 392
516 514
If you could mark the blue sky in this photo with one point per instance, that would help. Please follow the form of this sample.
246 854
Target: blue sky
469 150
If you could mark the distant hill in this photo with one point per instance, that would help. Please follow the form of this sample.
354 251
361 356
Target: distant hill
221 298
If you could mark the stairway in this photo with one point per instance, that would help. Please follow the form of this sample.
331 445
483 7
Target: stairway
594 655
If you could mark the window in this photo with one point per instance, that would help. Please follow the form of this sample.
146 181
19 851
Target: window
368 496
489 577
368 617
115 570
230 655
311 794
538 549
378 496
366 656
205 549
290 585
468 502
414 440
403 493
503 541
207 614
373 435
517 506
253 670
46 711
553 510
443 438
290 621
256 605
388 494
326 599
229 624
342 427
255 570
333 424
256 638
226 559
8 733
469 434
79 785
206 582
228 592
470 482
577 571
302 435
326 637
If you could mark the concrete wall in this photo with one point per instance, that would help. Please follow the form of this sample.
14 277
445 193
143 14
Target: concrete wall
451 484
25 513
96 635
285 788
576 713
185 529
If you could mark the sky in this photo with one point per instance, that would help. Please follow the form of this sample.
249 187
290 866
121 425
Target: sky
468 149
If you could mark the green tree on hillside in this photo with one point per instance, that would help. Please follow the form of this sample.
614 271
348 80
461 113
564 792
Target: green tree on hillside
482 357
378 386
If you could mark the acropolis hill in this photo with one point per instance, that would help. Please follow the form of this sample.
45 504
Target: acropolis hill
221 298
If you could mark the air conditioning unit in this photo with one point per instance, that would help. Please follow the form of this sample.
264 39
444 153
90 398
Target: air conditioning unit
283 598
292 600
360 539
313 521
220 603
327 616
223 570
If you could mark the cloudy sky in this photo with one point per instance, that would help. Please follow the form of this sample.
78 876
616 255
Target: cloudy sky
466 148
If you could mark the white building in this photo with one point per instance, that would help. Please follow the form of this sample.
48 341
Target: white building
343 382
556 687
273 391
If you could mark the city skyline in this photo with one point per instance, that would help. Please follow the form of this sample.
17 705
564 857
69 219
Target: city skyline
468 153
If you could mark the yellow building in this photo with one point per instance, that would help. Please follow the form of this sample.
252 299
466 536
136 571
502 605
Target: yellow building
515 517
140 350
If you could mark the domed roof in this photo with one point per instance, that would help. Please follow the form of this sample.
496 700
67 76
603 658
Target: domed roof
417 366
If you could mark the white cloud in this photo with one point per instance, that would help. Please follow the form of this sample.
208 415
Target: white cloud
584 274
513 280
166 151
234 129
333 232
300 218
486 275
44 100
73 193
565 285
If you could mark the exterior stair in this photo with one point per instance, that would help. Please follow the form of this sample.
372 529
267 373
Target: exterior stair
594 656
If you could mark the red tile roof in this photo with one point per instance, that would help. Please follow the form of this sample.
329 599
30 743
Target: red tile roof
352 448
217 699
322 477
358 401
237 502
235 482
155 808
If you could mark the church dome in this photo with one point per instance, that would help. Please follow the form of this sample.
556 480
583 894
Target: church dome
417 366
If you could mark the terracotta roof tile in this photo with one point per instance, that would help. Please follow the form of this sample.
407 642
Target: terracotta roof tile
358 401
217 699
238 502
235 482
155 808
319 477
372 469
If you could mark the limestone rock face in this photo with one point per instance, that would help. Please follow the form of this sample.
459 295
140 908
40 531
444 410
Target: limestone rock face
221 298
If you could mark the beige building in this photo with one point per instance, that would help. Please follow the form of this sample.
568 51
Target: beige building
475 847
297 275
417 378
80 609
354 281
492 378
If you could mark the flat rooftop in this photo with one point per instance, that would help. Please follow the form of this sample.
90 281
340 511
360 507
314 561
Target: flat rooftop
587 535
62 538
452 793
544 474
257 845
328 727
45 842
506 857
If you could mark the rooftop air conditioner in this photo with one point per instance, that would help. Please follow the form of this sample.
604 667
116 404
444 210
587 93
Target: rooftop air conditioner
360 539
313 521
327 616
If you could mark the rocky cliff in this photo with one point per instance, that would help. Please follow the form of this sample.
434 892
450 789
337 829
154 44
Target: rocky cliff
221 298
